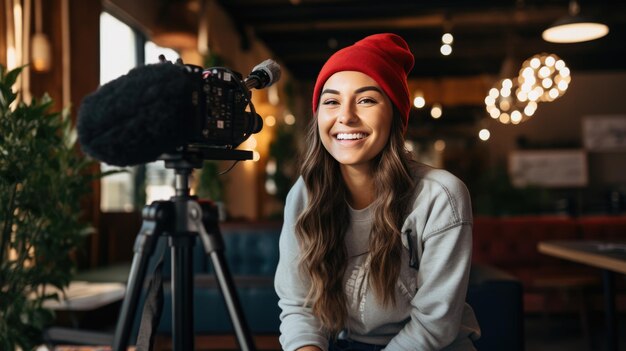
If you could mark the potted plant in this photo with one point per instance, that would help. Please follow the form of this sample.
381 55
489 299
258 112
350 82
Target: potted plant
42 180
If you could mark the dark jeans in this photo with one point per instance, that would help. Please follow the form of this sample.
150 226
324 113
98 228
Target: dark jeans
351 345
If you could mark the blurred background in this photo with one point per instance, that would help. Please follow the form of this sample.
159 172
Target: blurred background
532 120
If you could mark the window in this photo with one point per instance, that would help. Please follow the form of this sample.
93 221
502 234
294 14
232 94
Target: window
121 49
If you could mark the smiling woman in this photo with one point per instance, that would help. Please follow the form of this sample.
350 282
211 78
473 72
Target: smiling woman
354 119
375 248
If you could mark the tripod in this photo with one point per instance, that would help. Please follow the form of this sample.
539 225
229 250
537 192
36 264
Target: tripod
181 219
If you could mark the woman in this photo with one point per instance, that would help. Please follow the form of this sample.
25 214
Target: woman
375 248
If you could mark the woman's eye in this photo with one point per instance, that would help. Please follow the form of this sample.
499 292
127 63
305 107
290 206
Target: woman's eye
329 102
367 101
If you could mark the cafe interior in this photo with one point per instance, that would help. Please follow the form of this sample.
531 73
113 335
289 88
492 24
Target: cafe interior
520 99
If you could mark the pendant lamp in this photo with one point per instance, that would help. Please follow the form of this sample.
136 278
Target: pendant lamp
574 28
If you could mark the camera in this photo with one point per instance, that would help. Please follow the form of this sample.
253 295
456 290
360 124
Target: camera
225 115
168 108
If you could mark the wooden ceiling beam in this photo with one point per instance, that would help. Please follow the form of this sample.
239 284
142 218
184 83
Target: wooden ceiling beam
492 17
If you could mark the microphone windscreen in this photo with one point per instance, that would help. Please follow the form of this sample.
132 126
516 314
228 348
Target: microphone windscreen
271 69
138 116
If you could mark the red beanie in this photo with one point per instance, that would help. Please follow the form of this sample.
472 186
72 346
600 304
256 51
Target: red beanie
385 57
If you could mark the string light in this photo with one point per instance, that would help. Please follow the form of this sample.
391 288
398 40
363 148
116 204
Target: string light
271 167
446 44
270 187
270 121
502 104
484 134
419 100
446 49
290 119
543 78
436 111
446 38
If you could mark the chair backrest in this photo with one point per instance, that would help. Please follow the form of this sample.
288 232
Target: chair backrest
250 249
497 300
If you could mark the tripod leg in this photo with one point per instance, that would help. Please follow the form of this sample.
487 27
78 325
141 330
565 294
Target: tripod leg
232 301
214 247
182 292
155 216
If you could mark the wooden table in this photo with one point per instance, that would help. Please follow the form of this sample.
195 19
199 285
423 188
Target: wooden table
78 298
81 297
86 296
610 257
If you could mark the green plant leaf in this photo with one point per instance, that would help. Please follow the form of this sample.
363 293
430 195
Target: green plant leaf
11 77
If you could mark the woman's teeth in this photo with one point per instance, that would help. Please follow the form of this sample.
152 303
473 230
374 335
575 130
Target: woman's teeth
350 136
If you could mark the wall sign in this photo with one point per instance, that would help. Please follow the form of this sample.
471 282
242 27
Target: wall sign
548 168
605 133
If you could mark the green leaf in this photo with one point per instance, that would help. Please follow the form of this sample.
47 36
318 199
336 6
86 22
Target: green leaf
11 77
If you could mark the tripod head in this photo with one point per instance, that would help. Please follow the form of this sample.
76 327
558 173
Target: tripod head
192 156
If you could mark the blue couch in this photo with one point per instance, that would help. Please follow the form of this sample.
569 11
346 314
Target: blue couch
251 252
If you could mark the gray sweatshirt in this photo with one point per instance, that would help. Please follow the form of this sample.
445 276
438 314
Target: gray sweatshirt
430 311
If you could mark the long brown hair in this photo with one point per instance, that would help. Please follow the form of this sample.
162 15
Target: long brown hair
321 227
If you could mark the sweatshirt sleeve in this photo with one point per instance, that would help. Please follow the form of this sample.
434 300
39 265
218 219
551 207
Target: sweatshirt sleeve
298 327
443 274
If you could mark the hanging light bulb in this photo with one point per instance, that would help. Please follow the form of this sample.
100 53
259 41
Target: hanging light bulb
446 49
446 44
484 134
40 45
436 111
270 121
419 100
40 52
290 119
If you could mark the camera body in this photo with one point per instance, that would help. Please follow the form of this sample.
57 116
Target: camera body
225 116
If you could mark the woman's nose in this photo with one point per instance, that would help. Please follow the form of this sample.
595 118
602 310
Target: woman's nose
346 114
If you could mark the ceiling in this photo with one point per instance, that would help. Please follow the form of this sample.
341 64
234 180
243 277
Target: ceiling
302 34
